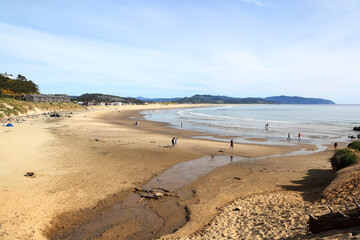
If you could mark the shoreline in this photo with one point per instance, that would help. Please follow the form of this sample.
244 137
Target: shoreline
135 147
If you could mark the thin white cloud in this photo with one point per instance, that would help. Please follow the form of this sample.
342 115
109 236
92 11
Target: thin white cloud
257 3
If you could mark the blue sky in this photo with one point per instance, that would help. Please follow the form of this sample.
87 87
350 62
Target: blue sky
168 48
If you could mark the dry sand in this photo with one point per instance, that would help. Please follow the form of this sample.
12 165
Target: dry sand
277 215
87 162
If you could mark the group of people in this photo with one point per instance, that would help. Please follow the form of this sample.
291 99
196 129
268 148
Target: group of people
289 138
174 142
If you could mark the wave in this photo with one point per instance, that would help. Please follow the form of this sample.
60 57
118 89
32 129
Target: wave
211 116
183 111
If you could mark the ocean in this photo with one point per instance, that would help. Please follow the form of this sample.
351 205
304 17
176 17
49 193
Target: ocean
318 124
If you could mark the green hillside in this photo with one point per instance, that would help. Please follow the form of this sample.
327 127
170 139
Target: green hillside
248 100
298 100
97 97
221 100
17 87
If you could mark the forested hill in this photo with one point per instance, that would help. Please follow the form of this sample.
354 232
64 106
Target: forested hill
221 100
298 100
17 87
159 99
97 97
230 100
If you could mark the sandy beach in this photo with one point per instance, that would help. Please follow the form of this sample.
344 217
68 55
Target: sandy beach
85 163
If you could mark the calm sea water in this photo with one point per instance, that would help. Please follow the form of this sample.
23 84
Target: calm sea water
319 124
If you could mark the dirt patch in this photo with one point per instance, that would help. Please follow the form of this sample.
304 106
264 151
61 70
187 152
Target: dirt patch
67 221
345 185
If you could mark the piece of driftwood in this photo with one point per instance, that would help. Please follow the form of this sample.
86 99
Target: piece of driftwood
154 193
148 196
335 220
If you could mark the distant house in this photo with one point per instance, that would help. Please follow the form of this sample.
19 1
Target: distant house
49 98
7 75
116 103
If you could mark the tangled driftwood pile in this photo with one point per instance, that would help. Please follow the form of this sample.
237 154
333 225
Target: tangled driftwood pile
154 193
334 220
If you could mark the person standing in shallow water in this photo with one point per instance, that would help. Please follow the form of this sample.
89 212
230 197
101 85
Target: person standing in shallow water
335 145
231 144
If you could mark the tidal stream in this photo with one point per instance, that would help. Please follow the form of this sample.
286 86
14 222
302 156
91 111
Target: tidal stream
149 219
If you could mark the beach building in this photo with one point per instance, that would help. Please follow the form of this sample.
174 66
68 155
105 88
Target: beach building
116 103
7 75
48 98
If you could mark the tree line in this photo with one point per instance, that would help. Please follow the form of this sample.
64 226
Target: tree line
16 87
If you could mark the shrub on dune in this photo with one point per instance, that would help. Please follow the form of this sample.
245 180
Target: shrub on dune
343 158
354 145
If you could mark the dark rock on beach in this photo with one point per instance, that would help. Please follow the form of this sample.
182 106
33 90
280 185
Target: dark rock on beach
54 115
29 174
357 128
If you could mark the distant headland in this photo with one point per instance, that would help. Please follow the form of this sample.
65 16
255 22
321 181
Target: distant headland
9 86
248 100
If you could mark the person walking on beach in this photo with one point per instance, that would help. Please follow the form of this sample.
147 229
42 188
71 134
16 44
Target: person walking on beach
288 138
299 137
176 141
335 145
173 142
231 144
266 127
180 124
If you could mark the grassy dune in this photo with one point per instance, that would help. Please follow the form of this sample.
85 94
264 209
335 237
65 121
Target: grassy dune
12 107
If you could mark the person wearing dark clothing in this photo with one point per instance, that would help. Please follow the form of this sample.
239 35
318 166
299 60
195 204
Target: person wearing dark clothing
232 144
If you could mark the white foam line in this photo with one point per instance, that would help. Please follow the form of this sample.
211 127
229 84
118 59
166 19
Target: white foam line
210 116
301 152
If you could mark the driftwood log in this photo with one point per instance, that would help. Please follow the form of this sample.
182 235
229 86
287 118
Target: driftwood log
154 193
335 220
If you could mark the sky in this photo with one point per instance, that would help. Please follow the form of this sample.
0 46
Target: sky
178 48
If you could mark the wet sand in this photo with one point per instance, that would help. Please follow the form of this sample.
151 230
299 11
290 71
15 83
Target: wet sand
85 164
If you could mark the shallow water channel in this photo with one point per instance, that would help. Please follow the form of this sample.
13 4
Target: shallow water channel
137 218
